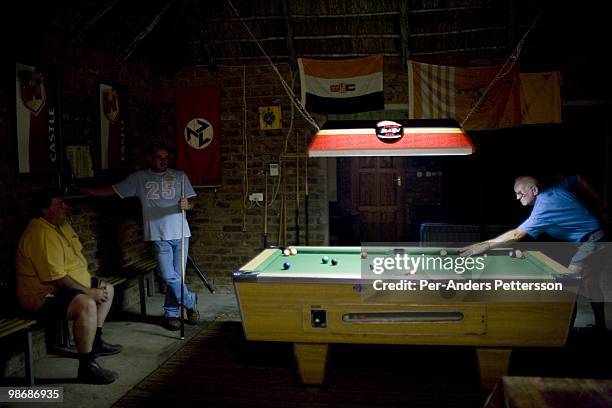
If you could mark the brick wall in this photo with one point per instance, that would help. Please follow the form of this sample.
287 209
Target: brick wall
227 230
110 233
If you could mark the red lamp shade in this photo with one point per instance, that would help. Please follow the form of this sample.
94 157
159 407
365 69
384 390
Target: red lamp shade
417 137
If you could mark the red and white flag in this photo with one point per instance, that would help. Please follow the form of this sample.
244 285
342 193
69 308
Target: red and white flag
198 113
37 119
342 86
113 109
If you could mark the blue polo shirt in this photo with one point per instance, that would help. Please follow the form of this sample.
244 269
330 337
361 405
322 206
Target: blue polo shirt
559 213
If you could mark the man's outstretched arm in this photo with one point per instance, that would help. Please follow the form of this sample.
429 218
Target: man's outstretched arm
507 237
106 191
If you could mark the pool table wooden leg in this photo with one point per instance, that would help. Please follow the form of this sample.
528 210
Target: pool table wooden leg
493 364
311 360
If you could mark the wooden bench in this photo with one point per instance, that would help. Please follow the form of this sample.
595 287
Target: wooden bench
12 325
144 269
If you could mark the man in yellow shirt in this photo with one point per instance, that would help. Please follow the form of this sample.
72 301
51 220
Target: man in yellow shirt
53 281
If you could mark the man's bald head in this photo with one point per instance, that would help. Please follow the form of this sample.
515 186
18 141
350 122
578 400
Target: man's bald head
526 189
527 181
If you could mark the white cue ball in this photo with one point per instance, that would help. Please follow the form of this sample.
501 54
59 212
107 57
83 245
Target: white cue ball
518 253
286 252
293 251
443 252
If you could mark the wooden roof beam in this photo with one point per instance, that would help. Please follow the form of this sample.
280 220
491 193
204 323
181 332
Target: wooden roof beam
284 7
146 31
92 22
404 31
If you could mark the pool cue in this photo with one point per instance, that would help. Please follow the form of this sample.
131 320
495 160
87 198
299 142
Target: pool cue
297 192
282 204
210 288
265 233
306 228
285 212
182 261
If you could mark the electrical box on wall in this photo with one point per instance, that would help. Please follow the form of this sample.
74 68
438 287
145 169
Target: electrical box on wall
274 169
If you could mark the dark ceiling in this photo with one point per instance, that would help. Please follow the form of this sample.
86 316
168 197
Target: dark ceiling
169 34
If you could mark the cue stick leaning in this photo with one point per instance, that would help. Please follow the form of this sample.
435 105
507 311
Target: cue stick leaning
265 233
182 261
210 288
280 212
297 192
306 227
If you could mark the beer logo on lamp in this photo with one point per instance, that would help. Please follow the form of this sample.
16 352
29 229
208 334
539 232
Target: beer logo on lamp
389 131
198 133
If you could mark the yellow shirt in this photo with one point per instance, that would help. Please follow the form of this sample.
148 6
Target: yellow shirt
47 253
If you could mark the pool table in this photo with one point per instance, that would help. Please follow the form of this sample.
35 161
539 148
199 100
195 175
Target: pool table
313 303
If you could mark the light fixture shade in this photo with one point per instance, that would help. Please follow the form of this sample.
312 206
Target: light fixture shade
415 137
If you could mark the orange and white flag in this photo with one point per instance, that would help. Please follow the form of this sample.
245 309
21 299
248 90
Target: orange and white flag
438 92
541 97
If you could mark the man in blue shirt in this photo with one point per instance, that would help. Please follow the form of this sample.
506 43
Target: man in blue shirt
159 189
558 211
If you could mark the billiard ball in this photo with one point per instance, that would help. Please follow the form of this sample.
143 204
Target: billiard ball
518 253
511 253
325 259
443 252
364 254
286 252
293 251
334 261
287 265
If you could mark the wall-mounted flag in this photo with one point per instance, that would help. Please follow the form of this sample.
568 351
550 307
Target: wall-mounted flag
342 86
113 139
37 119
198 113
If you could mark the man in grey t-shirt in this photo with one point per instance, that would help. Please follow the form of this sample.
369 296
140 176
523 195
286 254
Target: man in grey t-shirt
159 190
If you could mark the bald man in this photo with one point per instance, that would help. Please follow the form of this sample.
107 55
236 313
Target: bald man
559 212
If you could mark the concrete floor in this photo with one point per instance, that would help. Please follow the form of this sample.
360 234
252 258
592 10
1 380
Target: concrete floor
147 345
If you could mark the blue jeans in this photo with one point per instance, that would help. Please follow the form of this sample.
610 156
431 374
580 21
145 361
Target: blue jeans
168 254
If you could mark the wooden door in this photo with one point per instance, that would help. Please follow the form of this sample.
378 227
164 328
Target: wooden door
378 195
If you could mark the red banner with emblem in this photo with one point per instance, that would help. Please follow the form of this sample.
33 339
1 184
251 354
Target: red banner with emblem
113 142
37 119
198 113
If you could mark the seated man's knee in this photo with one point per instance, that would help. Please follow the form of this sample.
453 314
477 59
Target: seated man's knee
82 306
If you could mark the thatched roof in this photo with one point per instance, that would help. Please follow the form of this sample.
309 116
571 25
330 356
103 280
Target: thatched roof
169 34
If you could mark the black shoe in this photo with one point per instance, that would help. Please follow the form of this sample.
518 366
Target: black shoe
193 315
172 323
92 373
106 349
